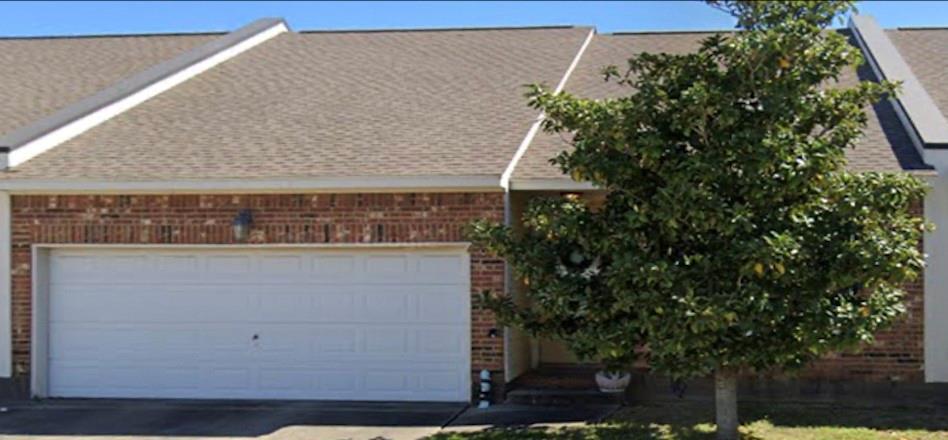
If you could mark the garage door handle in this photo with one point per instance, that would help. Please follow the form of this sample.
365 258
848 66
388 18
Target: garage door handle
255 337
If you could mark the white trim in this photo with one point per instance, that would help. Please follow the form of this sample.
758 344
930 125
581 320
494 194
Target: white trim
6 305
921 110
434 245
935 287
39 331
84 115
553 184
535 127
899 111
328 184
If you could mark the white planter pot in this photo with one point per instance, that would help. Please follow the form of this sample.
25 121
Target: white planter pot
610 382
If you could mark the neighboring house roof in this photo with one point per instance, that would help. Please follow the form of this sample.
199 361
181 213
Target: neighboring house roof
39 76
330 104
885 145
926 52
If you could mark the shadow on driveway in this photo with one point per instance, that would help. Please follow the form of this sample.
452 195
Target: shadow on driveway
509 415
152 418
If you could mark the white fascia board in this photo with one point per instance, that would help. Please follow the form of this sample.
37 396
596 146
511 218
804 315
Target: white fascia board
918 110
561 184
322 185
434 246
535 127
6 317
44 134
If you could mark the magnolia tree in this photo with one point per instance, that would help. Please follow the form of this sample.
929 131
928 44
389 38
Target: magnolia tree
731 237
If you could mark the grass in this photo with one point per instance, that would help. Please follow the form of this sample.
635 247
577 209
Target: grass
688 421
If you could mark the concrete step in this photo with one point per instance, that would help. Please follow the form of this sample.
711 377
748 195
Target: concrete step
561 396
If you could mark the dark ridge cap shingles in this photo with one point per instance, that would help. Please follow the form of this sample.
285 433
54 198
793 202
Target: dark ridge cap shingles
96 36
436 29
689 32
920 28
672 32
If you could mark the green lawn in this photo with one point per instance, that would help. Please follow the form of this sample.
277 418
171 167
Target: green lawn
762 421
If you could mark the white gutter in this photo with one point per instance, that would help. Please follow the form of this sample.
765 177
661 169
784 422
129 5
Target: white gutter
28 141
553 184
326 184
535 127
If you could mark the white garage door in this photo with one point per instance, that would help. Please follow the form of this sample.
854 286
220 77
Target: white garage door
259 324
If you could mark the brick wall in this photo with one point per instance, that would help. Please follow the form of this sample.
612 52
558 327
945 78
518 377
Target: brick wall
282 218
897 354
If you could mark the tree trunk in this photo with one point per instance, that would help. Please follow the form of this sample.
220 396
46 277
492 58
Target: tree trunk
725 403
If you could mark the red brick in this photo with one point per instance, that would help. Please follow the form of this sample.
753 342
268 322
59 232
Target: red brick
278 218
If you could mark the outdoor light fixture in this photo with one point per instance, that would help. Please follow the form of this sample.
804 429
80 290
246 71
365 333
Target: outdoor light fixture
242 224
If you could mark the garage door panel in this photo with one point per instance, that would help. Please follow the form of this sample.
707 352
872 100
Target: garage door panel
361 325
336 305
281 265
449 342
435 307
88 375
300 380
386 341
75 268
384 305
336 340
442 268
70 376
180 268
378 268
333 268
230 265
278 305
224 378
151 303
73 343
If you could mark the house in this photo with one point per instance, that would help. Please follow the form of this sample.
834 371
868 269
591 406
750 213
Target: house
270 214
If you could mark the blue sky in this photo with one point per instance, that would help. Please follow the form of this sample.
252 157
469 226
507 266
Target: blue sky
71 18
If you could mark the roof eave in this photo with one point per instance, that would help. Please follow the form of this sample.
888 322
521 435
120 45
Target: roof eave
363 184
33 139
917 111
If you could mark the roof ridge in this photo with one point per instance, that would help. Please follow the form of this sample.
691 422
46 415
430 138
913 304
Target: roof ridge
921 28
439 29
665 32
92 36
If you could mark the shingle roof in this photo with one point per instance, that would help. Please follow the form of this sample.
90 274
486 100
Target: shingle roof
39 76
926 52
884 147
357 103
446 103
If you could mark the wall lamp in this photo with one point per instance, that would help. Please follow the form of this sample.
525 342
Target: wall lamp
242 224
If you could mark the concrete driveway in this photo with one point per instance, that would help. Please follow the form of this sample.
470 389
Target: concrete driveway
130 419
